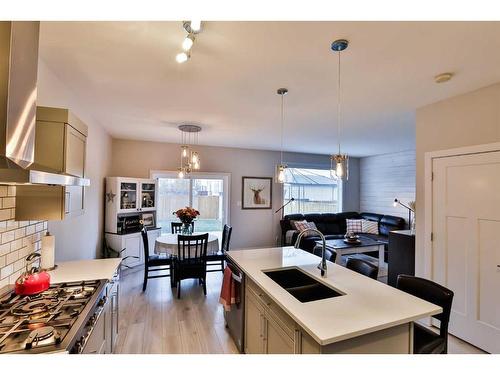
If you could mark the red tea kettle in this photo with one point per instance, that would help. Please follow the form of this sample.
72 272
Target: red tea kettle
33 280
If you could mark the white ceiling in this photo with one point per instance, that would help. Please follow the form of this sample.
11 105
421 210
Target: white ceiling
126 72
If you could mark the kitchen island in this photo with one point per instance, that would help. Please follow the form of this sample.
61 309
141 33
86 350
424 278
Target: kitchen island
366 316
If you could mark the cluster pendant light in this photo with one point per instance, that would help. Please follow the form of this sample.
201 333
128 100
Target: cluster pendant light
192 28
280 169
339 161
190 159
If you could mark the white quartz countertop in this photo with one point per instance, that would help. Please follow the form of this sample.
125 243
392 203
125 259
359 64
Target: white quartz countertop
367 306
81 270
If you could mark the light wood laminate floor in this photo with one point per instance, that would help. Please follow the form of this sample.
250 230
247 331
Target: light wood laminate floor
157 322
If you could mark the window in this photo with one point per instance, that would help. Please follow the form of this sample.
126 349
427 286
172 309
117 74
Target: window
208 193
314 190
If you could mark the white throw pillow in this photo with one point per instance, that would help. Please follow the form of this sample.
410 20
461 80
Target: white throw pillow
368 226
354 225
303 225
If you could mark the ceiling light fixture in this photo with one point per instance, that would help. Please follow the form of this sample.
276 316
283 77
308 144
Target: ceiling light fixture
190 159
443 77
188 42
196 26
192 27
182 57
280 169
339 162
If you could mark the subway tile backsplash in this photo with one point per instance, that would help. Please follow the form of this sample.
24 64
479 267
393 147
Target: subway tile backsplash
17 238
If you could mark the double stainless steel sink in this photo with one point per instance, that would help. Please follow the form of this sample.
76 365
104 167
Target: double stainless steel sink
300 285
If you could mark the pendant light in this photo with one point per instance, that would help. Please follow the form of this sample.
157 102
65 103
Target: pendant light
190 159
339 162
280 169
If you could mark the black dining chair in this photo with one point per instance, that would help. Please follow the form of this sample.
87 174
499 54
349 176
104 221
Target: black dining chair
362 267
191 262
219 257
177 227
330 255
426 341
155 263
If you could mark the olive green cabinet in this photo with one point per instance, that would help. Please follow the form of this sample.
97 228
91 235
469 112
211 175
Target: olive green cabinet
60 147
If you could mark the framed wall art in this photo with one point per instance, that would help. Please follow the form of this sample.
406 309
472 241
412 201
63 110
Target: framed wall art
256 193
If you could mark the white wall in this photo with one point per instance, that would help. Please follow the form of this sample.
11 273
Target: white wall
79 237
251 228
464 120
385 177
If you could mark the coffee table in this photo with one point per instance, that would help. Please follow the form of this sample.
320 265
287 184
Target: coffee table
367 245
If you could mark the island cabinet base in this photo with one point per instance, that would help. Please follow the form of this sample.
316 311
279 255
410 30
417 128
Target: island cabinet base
270 330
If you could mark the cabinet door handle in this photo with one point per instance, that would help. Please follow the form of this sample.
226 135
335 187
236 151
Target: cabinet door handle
261 325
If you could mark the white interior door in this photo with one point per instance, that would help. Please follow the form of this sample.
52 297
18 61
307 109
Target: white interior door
466 246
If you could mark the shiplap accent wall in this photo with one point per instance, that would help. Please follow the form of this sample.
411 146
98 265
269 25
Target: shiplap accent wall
385 177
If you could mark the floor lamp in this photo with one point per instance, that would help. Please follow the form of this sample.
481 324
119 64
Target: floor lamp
396 202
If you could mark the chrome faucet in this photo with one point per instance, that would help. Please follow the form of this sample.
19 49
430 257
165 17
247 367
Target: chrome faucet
322 266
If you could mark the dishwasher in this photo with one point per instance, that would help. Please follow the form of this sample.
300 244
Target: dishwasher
235 318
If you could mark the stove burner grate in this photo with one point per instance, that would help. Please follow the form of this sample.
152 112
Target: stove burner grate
40 334
42 322
34 309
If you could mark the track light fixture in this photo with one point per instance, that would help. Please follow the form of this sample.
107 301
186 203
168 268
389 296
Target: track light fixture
192 28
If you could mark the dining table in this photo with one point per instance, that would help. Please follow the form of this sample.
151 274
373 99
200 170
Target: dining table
167 243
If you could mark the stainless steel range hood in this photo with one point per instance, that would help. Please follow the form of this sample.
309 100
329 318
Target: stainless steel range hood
18 94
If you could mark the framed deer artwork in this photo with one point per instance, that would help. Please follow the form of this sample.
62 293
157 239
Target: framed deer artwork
257 193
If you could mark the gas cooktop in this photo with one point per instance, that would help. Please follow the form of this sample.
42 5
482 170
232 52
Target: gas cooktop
49 321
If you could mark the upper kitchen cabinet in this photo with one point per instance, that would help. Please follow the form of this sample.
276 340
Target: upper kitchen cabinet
132 194
60 141
60 147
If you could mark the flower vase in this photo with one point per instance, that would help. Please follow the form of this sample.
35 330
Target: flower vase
187 229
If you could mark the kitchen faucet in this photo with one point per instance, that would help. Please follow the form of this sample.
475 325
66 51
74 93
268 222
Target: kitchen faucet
322 266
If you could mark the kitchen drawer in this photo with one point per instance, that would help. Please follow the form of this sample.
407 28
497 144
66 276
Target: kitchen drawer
259 295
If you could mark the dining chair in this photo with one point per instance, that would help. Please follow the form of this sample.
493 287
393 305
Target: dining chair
426 341
191 262
155 263
220 256
362 267
177 227
330 255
